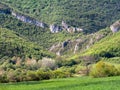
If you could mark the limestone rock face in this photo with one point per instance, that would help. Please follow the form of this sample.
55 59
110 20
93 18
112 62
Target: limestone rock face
69 28
30 20
55 29
77 45
115 26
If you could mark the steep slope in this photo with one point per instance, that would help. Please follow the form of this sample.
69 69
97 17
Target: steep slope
91 15
80 44
41 36
107 47
62 43
11 44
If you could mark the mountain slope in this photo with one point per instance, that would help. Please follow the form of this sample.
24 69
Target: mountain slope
41 36
91 15
11 44
79 45
107 47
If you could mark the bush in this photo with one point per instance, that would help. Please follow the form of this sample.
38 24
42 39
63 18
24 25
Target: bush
103 69
48 63
32 76
61 74
3 79
42 75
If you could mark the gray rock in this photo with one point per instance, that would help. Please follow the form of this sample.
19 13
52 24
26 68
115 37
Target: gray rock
115 26
71 30
55 29
64 25
76 47
79 29
30 20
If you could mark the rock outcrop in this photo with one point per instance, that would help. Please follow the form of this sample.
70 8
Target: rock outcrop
28 19
55 29
77 45
115 26
64 25
69 28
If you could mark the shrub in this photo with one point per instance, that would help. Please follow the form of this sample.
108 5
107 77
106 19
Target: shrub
44 75
48 63
32 76
103 69
3 78
60 74
69 62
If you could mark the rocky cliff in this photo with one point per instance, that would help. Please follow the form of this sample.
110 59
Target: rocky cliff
64 27
54 28
28 19
78 45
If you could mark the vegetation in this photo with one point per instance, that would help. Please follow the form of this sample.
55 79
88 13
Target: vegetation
11 44
41 36
24 48
102 69
84 83
91 15
107 47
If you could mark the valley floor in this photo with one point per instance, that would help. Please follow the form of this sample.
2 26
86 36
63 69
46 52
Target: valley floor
80 83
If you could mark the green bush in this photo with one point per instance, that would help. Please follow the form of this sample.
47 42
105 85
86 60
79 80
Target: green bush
3 79
61 74
42 75
103 69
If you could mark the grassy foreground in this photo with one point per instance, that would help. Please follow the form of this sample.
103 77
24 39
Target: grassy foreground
81 83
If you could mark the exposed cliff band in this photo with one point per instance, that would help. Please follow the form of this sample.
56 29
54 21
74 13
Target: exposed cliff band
28 19
4 9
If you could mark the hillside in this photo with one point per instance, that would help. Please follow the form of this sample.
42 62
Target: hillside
47 39
12 45
77 46
62 43
107 47
41 36
75 42
91 15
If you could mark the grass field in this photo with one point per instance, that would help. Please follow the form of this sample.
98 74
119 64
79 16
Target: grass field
80 83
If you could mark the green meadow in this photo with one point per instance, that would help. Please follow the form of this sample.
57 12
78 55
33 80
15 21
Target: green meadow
79 83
